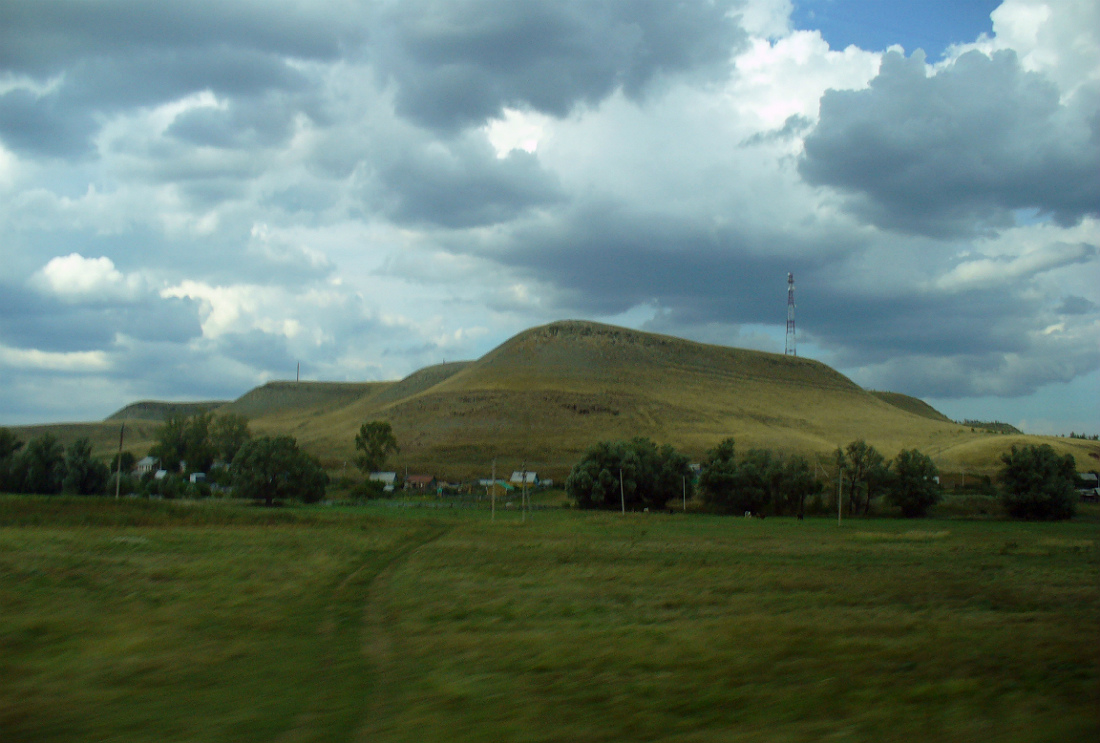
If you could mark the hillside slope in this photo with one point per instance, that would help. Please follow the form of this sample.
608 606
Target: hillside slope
155 410
911 404
545 395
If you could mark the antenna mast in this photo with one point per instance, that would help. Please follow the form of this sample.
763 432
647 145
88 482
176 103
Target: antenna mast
789 348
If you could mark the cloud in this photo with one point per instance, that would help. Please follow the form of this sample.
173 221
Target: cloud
988 272
956 152
458 64
76 278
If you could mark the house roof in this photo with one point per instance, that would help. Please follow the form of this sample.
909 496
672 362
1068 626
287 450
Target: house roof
416 479
530 477
389 477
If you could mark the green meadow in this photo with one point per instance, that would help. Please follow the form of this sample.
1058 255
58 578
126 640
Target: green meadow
174 621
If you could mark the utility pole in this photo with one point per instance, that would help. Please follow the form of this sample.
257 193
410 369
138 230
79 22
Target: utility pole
493 485
523 491
622 493
789 347
685 483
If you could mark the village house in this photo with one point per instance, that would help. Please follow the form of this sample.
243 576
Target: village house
388 479
419 482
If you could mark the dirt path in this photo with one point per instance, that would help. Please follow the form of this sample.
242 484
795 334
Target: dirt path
378 643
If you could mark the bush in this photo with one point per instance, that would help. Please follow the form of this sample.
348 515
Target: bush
913 485
1037 484
368 490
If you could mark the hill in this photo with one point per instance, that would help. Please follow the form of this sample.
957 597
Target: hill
911 404
152 410
547 394
544 396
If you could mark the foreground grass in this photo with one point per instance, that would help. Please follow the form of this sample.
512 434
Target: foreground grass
146 621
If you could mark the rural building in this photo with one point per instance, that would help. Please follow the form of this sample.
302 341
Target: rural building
198 477
419 482
500 487
146 465
386 478
520 478
1090 486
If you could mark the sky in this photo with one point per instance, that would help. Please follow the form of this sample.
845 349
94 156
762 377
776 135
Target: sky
195 198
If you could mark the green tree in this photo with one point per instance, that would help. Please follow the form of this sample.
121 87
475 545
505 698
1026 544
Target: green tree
866 472
197 441
914 485
797 484
10 444
84 475
42 466
228 433
718 477
129 461
1038 484
374 442
171 442
274 468
651 475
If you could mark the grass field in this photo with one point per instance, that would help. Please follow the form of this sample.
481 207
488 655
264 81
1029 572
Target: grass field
166 621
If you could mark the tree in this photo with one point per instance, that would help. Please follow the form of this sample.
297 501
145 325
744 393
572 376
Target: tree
718 477
84 475
171 442
1038 484
650 475
274 468
41 466
228 433
374 442
914 485
866 471
198 440
10 444
759 482
798 483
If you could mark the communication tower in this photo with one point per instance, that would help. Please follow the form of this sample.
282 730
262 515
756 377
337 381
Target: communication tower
789 348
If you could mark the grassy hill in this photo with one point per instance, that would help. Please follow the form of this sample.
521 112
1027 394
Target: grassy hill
912 405
544 396
154 410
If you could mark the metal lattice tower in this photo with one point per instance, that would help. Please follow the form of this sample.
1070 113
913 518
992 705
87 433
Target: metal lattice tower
789 348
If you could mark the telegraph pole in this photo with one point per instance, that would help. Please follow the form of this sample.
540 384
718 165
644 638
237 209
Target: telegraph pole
789 347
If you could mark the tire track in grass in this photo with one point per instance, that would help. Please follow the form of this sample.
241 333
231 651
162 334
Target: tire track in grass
335 710
377 645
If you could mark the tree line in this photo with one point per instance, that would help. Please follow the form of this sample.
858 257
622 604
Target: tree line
1035 482
636 474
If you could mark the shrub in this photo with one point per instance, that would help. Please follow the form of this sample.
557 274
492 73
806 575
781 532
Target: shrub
1037 484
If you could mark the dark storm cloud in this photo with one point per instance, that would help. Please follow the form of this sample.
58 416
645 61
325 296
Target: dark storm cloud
257 349
463 185
104 57
460 62
43 37
31 320
956 152
606 259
